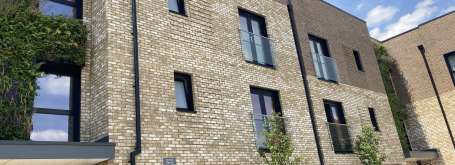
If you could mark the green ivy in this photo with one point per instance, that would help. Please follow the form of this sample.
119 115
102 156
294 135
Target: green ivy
396 105
279 146
29 39
366 147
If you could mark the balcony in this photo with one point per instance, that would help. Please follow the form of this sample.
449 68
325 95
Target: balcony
341 139
260 125
325 68
257 49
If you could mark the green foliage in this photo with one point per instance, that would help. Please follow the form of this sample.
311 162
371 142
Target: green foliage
397 106
29 39
366 146
279 146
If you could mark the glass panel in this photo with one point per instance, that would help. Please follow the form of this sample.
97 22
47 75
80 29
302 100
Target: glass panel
180 95
256 104
51 8
269 105
452 62
246 45
49 127
341 138
243 23
259 123
316 62
173 5
53 92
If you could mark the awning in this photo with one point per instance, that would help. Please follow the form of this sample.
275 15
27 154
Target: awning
422 155
49 153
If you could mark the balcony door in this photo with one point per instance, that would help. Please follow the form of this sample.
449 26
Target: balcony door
324 65
339 130
255 44
265 103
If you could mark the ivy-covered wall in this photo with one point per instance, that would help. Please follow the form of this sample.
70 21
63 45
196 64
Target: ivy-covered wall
397 106
28 40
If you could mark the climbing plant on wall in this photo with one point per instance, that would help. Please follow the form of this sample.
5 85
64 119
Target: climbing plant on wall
28 40
367 147
397 106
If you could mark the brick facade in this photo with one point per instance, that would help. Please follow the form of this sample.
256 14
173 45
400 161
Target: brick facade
425 125
206 45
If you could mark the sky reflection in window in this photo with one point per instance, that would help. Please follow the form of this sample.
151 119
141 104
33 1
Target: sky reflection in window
53 92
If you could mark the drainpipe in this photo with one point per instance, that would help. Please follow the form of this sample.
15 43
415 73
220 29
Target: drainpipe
305 82
422 52
137 98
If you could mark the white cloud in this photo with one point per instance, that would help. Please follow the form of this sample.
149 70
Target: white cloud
380 14
423 10
54 85
359 6
449 9
49 135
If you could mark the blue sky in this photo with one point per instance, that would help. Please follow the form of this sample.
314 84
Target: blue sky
387 18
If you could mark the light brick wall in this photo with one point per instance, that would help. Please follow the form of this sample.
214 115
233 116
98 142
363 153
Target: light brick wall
355 102
426 126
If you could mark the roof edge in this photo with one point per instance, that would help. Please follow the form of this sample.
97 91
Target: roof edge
418 26
343 11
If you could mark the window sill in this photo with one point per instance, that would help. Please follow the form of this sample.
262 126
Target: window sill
344 152
329 81
178 13
185 110
263 65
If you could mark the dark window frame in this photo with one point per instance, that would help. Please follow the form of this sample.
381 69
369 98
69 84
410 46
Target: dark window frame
263 26
187 82
324 42
275 94
181 8
358 61
373 119
446 58
74 72
77 5
343 122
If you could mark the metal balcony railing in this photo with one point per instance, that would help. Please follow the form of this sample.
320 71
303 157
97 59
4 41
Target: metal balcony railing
257 49
260 124
325 68
341 138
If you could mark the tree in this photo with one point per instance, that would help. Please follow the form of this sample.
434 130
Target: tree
367 147
279 146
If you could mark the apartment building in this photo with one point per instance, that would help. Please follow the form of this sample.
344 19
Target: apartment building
424 79
192 81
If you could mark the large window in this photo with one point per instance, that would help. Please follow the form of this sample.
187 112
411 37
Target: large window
255 44
176 6
265 103
339 130
66 8
324 66
374 121
450 60
358 60
57 104
183 92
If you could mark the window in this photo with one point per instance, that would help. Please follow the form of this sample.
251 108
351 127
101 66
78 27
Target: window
183 92
255 44
176 6
66 8
358 61
374 122
56 106
450 60
339 130
265 103
324 65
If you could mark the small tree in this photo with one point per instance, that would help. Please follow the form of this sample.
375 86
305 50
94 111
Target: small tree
279 147
367 147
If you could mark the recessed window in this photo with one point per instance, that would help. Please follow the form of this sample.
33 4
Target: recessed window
324 66
339 130
358 60
255 44
176 6
450 60
183 92
66 8
265 103
56 106
374 122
